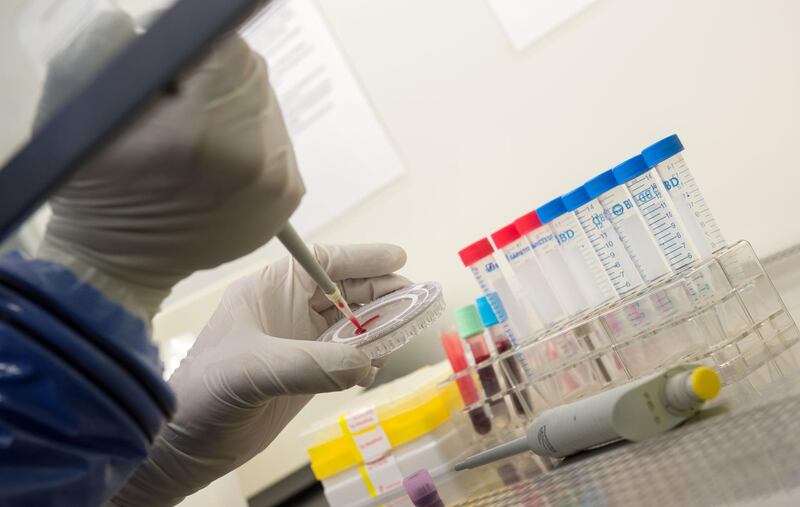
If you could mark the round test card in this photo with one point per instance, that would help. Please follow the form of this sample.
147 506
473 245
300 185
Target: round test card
390 321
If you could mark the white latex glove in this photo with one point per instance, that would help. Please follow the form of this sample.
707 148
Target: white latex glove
203 177
255 365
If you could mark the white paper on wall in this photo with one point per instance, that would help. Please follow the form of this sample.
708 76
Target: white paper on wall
525 21
342 149
343 152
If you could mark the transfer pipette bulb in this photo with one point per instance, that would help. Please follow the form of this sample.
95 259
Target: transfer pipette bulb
666 157
660 215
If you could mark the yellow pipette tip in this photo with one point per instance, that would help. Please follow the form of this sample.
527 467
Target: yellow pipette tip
705 383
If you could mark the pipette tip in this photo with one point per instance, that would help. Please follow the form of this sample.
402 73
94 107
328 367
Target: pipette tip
337 299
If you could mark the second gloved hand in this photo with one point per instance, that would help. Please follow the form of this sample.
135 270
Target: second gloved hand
255 365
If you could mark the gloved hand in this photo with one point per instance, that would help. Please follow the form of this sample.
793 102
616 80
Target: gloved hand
255 365
203 177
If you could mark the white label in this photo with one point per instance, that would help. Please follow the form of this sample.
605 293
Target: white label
384 474
362 419
368 434
372 444
543 241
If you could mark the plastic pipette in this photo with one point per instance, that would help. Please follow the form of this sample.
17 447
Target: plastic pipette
635 411
298 249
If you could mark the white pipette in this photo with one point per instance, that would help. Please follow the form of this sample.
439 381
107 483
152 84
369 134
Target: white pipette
298 249
640 409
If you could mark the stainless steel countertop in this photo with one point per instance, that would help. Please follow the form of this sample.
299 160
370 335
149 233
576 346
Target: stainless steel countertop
743 451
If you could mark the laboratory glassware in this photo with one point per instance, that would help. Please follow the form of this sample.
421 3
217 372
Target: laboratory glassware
536 289
604 239
666 157
470 330
626 219
555 269
580 255
663 221
493 324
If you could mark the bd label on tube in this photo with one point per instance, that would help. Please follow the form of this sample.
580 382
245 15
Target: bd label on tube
619 208
672 183
583 262
564 236
633 233
663 223
666 158
607 245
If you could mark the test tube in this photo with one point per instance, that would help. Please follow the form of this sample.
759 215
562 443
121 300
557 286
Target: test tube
625 217
580 256
519 254
667 159
557 265
605 241
470 329
479 258
454 350
493 324
545 247
659 213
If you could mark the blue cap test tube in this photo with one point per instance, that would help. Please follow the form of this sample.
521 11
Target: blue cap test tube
558 273
619 209
579 254
659 213
666 157
608 247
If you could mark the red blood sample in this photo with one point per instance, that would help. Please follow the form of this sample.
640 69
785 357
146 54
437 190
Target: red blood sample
357 325
454 350
514 371
480 421
363 327
487 375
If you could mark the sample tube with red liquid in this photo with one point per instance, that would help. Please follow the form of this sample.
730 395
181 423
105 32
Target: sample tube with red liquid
454 350
493 324
479 258
471 331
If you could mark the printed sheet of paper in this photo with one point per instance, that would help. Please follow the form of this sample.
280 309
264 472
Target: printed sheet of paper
343 151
